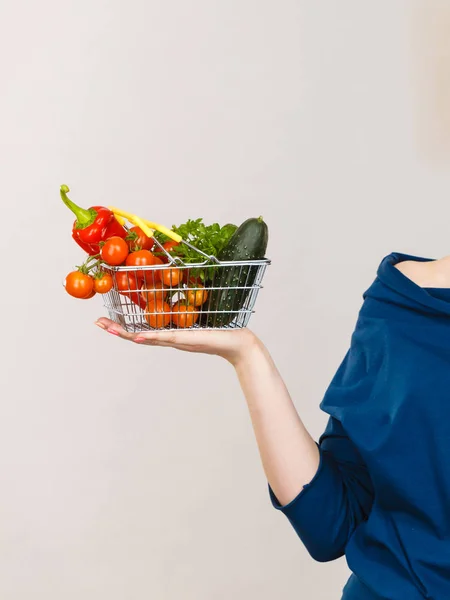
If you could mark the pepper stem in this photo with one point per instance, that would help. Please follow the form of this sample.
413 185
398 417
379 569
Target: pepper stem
85 217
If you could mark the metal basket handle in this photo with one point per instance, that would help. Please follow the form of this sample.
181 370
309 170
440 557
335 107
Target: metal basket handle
148 226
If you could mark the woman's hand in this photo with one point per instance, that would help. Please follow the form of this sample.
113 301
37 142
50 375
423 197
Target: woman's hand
230 344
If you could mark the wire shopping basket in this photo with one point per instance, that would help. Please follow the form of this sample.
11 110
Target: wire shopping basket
208 294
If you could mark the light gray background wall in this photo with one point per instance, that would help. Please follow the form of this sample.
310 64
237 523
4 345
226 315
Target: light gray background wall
129 472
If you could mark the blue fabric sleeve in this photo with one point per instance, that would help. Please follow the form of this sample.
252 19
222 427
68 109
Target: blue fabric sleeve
336 500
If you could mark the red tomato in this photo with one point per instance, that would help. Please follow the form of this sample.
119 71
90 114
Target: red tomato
103 284
155 293
137 240
197 297
150 276
168 246
140 258
125 281
143 258
79 285
194 280
91 295
160 320
114 251
170 277
185 316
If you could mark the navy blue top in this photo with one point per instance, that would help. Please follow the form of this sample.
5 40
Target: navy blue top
381 494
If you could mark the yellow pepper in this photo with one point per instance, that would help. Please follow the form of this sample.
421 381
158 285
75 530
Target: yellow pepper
145 225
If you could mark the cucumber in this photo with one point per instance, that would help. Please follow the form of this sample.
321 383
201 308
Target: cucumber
248 242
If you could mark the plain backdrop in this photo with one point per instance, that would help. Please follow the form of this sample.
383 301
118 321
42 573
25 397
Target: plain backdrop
127 472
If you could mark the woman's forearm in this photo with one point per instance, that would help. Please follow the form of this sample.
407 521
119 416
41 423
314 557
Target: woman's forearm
289 454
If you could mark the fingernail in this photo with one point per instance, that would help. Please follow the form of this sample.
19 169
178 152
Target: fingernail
112 331
100 325
138 340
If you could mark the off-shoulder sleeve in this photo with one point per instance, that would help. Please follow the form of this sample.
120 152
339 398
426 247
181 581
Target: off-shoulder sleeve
337 499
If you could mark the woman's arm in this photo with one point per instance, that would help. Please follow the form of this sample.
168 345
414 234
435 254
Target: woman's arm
289 454
324 489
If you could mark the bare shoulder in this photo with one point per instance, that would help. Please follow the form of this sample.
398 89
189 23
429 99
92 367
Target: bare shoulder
424 274
411 269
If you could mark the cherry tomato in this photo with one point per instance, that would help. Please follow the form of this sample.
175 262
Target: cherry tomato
143 258
185 316
137 240
196 297
103 284
155 293
170 277
91 295
157 321
194 281
150 276
114 251
126 281
79 285
168 246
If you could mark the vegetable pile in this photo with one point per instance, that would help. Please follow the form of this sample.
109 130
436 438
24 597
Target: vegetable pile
159 279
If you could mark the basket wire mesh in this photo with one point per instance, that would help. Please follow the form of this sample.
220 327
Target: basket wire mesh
172 296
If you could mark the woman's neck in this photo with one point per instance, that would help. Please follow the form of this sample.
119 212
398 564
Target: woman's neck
440 271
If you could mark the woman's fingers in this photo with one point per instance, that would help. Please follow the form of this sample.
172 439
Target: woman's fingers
184 340
114 328
104 323
223 343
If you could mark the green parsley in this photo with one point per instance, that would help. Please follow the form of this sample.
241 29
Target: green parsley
211 239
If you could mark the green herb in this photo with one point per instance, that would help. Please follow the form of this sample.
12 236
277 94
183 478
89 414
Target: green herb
210 239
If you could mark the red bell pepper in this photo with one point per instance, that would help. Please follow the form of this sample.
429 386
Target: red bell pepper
92 226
